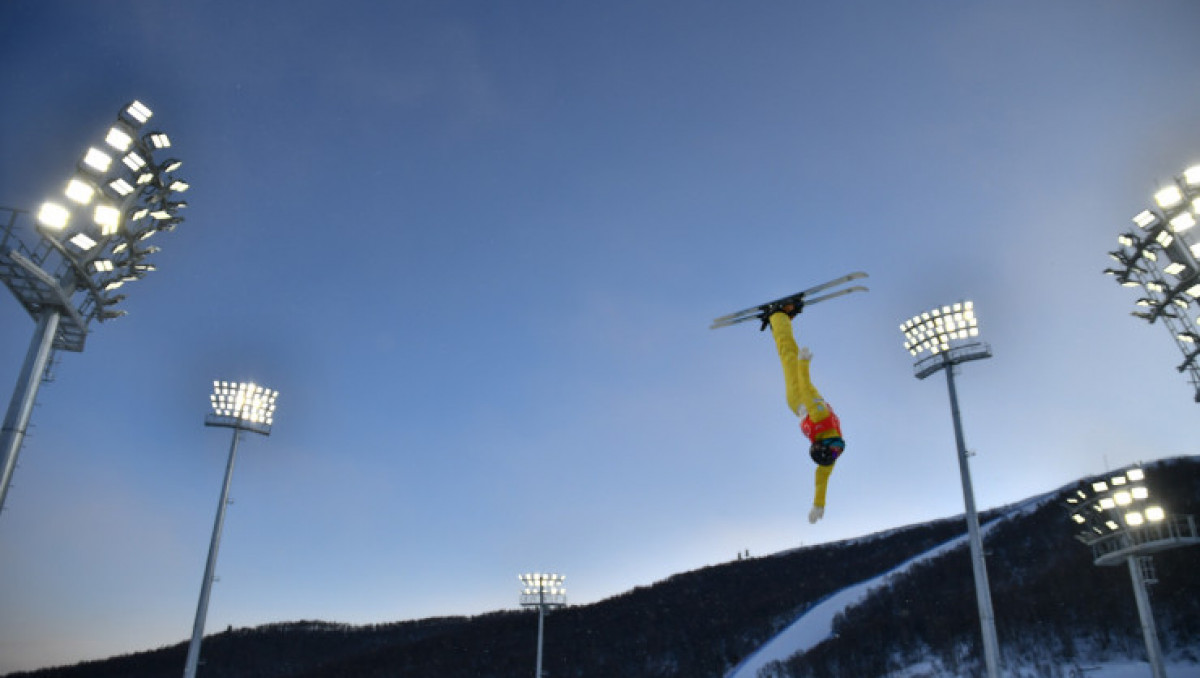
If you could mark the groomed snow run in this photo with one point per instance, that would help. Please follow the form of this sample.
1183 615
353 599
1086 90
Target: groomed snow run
816 624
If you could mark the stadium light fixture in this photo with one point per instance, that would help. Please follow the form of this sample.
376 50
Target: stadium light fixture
543 591
1117 518
241 406
1167 244
97 161
1168 197
54 216
947 334
119 137
934 330
61 268
137 112
80 191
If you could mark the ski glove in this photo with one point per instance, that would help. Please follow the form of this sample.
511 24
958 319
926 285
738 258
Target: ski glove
804 354
816 514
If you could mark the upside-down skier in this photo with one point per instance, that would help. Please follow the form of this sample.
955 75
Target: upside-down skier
818 423
817 420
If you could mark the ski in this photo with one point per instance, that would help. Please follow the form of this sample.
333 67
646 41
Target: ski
807 302
754 310
805 296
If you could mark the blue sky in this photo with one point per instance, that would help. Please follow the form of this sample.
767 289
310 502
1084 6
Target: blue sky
476 247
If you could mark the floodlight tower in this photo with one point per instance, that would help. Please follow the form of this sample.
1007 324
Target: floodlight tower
64 269
934 331
543 591
241 407
1117 519
1160 256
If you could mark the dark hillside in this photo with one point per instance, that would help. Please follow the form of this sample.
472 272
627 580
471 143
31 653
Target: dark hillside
1049 599
1050 602
695 624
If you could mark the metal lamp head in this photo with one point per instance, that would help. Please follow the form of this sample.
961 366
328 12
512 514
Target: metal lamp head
543 589
105 205
1112 504
944 333
933 330
242 405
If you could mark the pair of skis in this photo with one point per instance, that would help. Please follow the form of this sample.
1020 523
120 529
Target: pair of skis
802 299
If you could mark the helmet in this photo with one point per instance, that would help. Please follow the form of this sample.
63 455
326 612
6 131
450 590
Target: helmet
826 450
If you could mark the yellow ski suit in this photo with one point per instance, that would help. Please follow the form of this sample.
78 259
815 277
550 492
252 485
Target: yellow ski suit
802 396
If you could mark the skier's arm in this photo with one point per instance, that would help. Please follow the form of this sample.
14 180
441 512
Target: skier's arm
823 473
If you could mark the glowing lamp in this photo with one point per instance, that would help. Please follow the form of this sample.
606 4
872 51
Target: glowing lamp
108 218
121 187
97 160
79 191
134 161
53 215
1168 197
1191 175
118 139
246 402
1145 219
1182 222
934 330
83 241
138 111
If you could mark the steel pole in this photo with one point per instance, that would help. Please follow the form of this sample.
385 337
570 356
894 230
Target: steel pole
1146 615
20 408
193 656
987 618
541 623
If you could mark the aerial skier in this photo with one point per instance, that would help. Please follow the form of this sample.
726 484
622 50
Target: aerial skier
818 422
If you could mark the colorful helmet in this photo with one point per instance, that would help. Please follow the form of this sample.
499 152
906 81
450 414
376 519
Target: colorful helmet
826 450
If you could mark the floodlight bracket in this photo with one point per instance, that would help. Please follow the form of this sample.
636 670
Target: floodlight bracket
237 423
1173 532
37 291
546 600
957 355
1189 360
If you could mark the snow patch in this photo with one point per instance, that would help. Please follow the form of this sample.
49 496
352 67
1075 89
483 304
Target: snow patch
816 624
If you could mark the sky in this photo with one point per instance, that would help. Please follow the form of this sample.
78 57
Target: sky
476 247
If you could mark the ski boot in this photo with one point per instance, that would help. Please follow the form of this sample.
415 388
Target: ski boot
792 307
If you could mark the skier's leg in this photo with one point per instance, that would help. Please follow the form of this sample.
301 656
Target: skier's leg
802 396
785 343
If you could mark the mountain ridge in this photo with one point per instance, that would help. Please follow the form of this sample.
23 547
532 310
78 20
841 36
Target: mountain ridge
1052 606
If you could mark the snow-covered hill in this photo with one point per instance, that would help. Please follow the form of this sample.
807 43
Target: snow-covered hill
896 604
816 625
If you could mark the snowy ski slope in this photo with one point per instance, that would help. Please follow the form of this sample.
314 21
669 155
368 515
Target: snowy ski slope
816 624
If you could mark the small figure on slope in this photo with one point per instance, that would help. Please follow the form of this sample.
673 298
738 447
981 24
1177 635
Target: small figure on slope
818 422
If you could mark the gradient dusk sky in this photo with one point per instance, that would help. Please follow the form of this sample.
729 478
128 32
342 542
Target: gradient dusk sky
476 246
